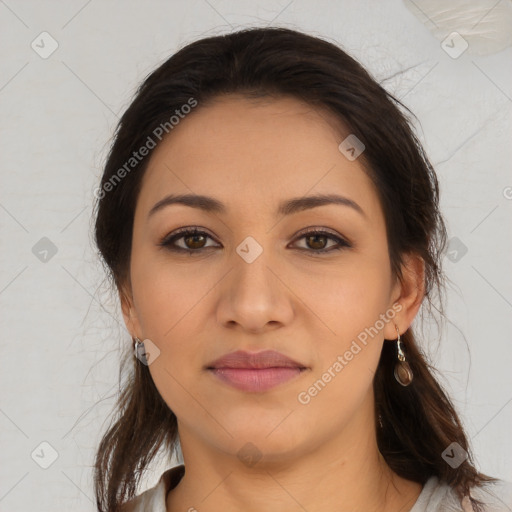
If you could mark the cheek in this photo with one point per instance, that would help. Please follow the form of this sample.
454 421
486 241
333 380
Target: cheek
332 397
165 293
170 300
170 309
348 305
344 298
347 359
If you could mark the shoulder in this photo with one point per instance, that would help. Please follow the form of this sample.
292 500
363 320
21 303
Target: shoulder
154 499
440 497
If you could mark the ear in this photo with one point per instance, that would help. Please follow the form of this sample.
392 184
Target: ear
408 292
131 319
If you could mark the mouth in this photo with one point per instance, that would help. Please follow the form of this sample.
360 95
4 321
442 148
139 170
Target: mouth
256 380
255 372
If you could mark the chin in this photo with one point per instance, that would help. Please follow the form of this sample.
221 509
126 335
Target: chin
265 446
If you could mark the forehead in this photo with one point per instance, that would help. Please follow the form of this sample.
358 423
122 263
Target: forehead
255 152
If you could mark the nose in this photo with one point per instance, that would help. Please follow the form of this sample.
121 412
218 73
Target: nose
255 295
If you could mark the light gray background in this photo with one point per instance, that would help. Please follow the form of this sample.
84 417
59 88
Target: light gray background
61 327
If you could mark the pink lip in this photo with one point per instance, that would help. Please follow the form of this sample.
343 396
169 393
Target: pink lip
255 371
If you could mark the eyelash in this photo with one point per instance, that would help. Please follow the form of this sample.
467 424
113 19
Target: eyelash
169 240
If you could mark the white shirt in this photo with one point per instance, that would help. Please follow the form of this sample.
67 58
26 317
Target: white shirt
434 497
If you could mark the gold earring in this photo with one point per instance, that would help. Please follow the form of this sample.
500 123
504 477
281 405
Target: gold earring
403 372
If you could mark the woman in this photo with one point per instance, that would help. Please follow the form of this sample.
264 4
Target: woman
272 226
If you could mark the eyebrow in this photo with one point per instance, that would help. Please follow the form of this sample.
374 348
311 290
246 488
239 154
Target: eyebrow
211 205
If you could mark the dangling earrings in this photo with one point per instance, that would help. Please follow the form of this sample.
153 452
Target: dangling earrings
139 350
403 372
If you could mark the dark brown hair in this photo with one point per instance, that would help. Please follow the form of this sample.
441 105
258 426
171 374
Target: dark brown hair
419 421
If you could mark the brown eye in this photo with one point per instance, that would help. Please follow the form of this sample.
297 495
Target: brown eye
317 240
193 240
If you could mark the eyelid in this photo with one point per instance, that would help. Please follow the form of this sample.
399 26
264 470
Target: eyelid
181 232
323 230
342 241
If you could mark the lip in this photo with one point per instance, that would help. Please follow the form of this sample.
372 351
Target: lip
255 372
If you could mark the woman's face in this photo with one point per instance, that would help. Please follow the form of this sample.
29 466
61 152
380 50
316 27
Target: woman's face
253 282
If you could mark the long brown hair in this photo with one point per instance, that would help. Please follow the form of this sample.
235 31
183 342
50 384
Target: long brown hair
418 422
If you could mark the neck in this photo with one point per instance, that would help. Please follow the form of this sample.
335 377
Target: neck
347 474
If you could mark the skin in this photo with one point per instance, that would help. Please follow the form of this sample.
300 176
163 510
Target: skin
323 455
